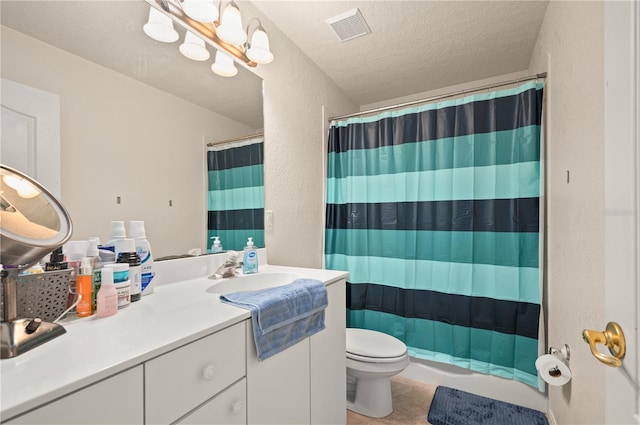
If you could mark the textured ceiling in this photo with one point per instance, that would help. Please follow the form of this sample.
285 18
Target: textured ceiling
414 46
96 30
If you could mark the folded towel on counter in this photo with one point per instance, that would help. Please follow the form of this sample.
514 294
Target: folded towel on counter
284 315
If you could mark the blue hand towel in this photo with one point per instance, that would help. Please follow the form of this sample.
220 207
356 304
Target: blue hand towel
284 315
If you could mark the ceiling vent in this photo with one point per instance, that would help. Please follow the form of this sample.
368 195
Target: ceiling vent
349 25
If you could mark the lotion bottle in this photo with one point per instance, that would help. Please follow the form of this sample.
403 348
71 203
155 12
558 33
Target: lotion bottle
250 258
107 295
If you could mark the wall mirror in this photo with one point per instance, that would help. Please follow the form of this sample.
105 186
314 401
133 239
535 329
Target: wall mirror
135 114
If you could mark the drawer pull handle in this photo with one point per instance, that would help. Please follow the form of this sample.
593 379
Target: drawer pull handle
237 407
208 372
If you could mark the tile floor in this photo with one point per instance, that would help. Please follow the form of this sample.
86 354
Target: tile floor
411 402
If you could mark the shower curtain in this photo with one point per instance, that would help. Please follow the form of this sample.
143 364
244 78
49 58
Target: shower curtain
236 193
435 213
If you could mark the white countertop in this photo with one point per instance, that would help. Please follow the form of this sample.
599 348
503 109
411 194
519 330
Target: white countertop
178 312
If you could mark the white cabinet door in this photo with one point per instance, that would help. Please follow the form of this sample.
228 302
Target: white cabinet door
278 387
116 400
228 407
179 381
328 362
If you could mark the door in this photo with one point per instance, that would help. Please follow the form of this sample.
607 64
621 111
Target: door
622 196
31 133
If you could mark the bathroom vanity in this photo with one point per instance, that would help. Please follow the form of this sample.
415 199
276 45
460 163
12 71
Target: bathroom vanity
181 356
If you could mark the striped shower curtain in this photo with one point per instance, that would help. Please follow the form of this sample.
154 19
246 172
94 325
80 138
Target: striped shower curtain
236 193
435 212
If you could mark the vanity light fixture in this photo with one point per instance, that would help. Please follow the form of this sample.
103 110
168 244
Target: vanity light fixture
194 48
230 28
200 10
226 34
22 186
160 27
224 66
258 49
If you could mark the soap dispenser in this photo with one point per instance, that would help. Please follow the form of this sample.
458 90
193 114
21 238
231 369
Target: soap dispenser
216 246
250 258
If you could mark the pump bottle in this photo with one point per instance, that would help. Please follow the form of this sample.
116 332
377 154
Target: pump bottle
250 258
84 287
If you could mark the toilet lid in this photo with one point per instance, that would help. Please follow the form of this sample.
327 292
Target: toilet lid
372 344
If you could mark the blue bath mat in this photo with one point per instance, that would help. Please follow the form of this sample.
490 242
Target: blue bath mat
455 407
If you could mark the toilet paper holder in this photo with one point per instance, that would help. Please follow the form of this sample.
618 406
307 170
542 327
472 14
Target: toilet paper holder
564 352
565 355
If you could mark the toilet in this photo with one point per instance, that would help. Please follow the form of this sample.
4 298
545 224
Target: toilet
372 359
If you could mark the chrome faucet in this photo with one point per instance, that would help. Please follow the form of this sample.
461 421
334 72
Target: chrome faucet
229 268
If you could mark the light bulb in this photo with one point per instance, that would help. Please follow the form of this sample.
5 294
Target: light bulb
259 51
194 48
160 27
200 10
224 66
230 28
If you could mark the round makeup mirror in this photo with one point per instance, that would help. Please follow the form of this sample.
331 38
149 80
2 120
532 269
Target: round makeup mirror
32 224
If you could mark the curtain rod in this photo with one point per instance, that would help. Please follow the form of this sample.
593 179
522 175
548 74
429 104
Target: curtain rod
442 96
236 139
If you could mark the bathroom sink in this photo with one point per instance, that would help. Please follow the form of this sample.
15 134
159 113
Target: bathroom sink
252 282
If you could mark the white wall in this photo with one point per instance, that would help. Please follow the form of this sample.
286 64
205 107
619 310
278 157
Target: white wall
295 92
570 48
120 137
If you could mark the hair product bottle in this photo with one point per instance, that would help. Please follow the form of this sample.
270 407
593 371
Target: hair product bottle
84 288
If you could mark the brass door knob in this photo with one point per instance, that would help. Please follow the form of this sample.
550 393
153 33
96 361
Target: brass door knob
613 338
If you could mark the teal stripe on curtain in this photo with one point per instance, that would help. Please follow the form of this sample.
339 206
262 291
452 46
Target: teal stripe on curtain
435 212
236 199
236 178
500 249
480 280
505 355
474 150
520 180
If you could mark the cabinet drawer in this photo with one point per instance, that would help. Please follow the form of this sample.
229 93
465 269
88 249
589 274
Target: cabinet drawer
116 400
177 382
229 407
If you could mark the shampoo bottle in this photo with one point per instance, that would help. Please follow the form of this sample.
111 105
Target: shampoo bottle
107 296
250 258
137 232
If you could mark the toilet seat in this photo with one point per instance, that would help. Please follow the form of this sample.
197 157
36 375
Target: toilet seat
374 347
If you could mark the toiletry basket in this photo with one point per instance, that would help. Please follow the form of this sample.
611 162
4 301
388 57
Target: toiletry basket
42 295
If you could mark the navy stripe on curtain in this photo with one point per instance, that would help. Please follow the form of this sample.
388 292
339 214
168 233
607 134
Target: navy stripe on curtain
236 193
435 213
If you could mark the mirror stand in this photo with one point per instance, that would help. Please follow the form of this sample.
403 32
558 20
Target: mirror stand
20 335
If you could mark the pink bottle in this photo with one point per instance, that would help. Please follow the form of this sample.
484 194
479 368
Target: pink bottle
107 298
